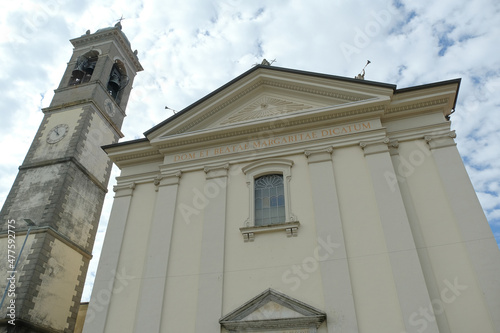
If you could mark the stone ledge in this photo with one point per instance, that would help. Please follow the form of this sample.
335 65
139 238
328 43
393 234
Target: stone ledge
291 229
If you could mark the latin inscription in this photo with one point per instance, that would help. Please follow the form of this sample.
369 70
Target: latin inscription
273 141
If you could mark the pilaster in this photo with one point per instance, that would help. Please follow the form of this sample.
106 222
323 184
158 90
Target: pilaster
422 250
406 269
97 312
210 285
335 275
149 312
471 221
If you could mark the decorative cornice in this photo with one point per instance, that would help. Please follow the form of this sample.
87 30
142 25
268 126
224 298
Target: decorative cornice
321 92
137 155
419 105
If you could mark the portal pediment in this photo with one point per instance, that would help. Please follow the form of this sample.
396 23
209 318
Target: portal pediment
272 311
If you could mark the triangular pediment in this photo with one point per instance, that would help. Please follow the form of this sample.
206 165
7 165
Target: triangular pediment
269 93
272 310
264 106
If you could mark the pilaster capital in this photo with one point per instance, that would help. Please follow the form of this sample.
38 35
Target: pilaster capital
393 147
166 179
319 155
216 171
124 190
441 140
375 147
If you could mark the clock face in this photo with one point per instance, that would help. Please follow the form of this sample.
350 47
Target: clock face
57 133
109 107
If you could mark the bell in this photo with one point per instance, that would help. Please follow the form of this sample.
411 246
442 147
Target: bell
77 76
89 69
114 82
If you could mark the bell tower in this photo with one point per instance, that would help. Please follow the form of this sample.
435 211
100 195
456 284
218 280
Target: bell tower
50 217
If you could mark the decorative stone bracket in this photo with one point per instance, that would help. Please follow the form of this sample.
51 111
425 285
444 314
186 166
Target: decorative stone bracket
291 229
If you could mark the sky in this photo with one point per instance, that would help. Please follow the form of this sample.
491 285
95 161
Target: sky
189 48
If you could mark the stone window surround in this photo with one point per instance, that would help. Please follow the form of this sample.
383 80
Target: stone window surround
265 167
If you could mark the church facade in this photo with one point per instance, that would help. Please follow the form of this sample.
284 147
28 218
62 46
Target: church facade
290 201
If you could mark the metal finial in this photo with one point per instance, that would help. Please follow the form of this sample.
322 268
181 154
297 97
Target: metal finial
167 108
265 62
119 23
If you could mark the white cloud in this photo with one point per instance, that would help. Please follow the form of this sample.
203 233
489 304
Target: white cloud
189 48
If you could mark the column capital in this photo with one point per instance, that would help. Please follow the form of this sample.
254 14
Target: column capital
166 179
393 147
375 147
124 190
441 140
216 171
318 155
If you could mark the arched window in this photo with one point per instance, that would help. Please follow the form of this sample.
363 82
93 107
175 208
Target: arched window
118 79
270 207
269 200
84 68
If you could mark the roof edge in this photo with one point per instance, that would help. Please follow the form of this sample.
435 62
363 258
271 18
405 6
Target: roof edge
433 85
124 143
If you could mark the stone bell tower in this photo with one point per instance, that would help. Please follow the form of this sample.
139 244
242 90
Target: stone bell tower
49 220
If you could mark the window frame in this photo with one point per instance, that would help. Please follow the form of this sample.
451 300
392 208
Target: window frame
261 168
280 209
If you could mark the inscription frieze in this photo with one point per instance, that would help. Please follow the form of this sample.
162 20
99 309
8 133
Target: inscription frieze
272 141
